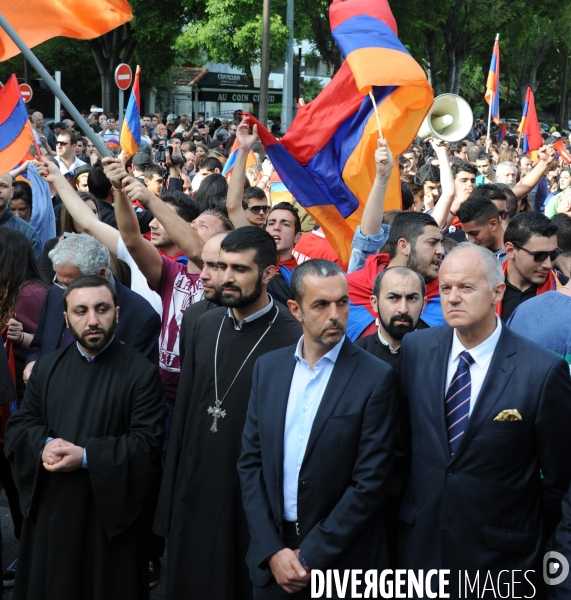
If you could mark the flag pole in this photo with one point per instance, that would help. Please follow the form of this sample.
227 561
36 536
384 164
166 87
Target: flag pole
492 100
58 92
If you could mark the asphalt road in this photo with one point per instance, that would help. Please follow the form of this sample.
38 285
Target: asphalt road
10 551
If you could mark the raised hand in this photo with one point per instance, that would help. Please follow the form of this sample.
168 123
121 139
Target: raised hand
246 139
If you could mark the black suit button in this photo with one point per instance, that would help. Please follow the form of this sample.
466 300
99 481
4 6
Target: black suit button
303 483
449 473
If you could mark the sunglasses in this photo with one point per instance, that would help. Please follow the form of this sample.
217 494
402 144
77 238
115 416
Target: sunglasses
541 255
60 143
259 209
503 214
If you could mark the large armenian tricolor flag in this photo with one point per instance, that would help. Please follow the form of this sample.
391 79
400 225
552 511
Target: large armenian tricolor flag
326 158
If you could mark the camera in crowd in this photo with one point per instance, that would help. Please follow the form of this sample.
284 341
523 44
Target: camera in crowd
160 154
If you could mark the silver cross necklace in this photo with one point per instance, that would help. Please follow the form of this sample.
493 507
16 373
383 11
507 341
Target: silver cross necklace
216 411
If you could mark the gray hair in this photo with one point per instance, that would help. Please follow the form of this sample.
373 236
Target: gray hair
316 266
509 163
82 251
493 271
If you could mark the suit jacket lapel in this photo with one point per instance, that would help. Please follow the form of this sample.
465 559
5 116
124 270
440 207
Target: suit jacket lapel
497 377
439 368
279 409
340 376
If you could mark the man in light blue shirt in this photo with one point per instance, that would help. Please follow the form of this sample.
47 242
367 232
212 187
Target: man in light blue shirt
318 446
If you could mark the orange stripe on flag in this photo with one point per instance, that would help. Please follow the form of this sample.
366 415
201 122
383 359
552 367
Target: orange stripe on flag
13 154
36 21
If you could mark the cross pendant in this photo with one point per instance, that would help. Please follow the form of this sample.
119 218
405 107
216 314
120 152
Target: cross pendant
217 413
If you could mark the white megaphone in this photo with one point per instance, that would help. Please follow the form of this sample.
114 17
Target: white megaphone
450 119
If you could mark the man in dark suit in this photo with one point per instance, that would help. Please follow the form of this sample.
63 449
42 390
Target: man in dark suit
488 419
318 446
77 256
399 296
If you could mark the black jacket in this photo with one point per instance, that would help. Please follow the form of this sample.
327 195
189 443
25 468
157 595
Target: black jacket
139 324
492 504
343 481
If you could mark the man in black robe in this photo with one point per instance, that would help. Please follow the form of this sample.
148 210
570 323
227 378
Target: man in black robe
84 447
200 505
399 297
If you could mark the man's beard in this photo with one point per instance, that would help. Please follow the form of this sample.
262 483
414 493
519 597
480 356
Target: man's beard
94 346
240 301
213 295
397 332
413 262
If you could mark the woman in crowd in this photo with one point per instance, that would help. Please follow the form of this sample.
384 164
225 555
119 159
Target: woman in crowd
552 201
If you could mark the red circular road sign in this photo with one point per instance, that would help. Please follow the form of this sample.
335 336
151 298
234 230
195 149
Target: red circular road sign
123 76
25 92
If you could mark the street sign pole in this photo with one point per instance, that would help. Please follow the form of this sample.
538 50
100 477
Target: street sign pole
121 103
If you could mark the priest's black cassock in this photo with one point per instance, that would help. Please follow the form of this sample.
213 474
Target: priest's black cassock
200 505
85 533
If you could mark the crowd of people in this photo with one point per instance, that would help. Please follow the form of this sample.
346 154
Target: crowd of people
189 367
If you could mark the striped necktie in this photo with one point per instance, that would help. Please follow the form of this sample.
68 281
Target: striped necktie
457 401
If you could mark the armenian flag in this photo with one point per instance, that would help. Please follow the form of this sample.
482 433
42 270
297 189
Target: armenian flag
131 128
493 83
15 131
229 166
529 127
503 131
326 158
36 21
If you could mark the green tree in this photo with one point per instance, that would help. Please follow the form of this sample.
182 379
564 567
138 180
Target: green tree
230 31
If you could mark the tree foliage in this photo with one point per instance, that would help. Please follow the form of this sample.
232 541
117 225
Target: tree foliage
230 31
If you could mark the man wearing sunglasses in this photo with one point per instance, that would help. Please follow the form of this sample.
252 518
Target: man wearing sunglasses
256 205
531 246
66 159
481 222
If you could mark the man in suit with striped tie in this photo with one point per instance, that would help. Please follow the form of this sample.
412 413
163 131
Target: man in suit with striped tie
486 418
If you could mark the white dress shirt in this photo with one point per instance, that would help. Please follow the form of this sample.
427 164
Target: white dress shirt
482 355
305 393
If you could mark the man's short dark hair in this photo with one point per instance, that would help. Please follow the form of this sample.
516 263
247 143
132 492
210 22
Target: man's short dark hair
462 165
457 146
185 206
511 199
427 172
292 210
177 136
378 284
409 226
483 156
478 209
563 223
152 170
210 164
91 281
252 238
491 191
526 224
316 266
97 182
253 192
511 140
407 195
112 116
